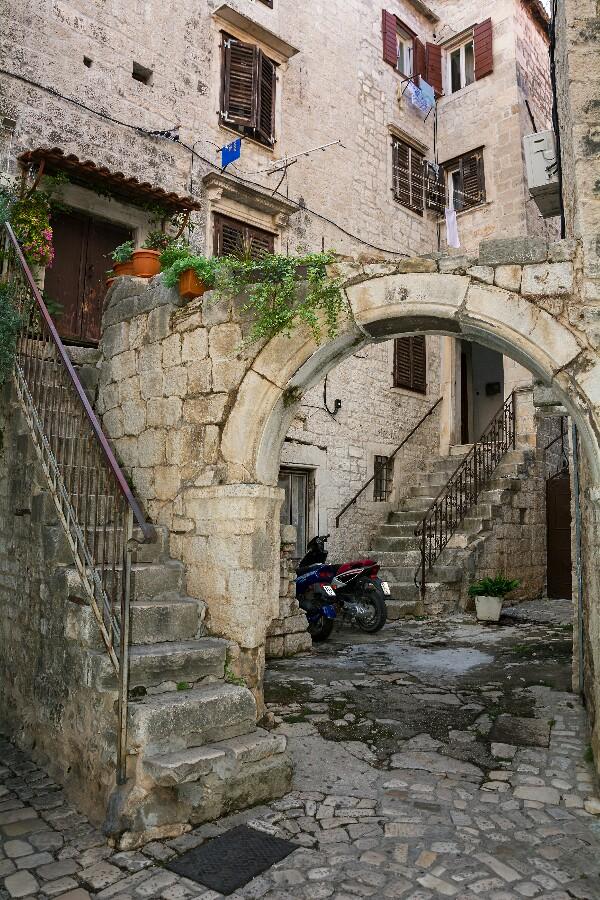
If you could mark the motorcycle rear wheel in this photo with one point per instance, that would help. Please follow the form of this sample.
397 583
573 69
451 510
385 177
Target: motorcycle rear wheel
321 629
376 618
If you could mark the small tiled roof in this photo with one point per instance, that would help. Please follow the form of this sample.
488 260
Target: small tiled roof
90 174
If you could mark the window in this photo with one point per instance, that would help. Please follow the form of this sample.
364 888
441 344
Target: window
465 181
248 84
410 363
268 3
384 476
461 66
141 73
294 509
405 50
233 237
407 174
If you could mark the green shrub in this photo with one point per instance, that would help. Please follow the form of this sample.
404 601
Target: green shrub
493 587
204 269
10 322
123 252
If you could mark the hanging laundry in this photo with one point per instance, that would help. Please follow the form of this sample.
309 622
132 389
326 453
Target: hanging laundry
452 238
231 152
416 97
427 91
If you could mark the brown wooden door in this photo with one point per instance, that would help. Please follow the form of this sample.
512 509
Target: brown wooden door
77 278
558 520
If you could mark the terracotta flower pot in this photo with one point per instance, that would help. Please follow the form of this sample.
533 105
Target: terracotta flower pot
146 263
124 268
190 285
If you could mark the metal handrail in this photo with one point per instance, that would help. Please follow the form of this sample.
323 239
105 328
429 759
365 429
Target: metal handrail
94 502
462 489
383 465
564 458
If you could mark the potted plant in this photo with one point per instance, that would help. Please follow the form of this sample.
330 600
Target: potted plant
489 594
146 260
122 259
194 274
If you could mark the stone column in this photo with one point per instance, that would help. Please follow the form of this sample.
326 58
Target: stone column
525 418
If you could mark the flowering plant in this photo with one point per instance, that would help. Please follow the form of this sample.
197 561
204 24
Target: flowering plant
30 219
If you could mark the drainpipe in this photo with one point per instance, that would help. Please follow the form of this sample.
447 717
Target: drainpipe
580 651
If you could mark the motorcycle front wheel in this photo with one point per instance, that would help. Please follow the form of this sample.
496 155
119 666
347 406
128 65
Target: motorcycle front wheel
376 616
320 629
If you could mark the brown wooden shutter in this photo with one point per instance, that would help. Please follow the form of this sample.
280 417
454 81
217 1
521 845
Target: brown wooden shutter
417 176
435 188
390 41
266 98
239 101
231 236
410 363
482 46
433 54
472 179
420 62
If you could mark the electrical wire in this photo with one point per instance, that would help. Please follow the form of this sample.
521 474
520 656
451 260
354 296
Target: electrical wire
194 153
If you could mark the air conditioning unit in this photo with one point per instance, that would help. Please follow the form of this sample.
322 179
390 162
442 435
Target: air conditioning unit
542 171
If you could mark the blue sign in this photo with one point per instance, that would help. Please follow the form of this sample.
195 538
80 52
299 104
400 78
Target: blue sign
231 152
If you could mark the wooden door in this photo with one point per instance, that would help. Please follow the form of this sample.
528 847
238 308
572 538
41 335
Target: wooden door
558 521
76 280
294 510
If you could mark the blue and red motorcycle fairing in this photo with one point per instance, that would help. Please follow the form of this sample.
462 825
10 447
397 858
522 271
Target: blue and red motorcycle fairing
352 591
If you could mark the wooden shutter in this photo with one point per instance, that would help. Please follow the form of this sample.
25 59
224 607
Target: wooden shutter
239 100
407 173
410 363
266 98
232 236
433 55
435 188
483 51
389 28
420 60
472 180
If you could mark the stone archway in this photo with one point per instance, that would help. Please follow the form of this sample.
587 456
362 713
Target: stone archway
205 453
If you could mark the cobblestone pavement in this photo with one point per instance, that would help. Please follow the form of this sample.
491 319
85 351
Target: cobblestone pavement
435 759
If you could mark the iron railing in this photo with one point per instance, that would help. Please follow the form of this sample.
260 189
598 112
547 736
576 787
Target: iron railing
462 489
563 456
94 502
379 469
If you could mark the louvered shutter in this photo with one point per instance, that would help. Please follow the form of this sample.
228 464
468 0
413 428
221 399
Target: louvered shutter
433 55
401 169
410 363
417 173
420 65
472 180
483 50
266 98
231 237
239 93
390 40
435 188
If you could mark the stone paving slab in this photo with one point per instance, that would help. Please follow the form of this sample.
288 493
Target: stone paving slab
462 816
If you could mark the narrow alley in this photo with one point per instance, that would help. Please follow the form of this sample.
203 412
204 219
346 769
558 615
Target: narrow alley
437 758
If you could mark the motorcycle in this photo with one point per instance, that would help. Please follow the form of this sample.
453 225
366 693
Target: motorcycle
351 590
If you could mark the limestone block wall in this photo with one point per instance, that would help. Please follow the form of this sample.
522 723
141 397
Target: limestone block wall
287 634
340 450
47 703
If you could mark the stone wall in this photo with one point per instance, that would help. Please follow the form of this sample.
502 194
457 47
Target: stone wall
287 634
48 703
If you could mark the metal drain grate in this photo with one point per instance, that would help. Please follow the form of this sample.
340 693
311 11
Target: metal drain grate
230 861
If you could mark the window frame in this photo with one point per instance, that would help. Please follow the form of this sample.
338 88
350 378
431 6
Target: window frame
408 203
221 218
451 167
461 48
405 40
251 129
383 478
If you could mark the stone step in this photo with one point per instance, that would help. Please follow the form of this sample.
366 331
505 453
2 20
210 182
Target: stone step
399 529
446 574
390 558
151 665
178 720
415 505
168 618
148 580
403 609
423 490
409 517
386 543
100 539
221 757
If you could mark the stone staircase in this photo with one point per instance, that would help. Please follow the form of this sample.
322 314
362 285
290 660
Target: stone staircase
397 548
194 750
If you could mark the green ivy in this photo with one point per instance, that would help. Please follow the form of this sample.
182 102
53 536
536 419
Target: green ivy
9 328
273 296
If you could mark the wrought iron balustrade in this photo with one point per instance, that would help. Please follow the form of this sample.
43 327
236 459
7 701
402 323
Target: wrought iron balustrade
94 502
461 491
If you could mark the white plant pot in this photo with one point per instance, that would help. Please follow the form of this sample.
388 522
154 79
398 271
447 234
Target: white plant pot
488 608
